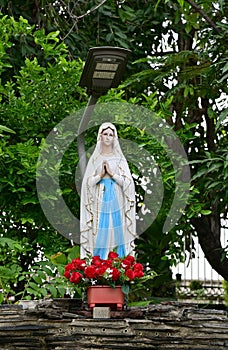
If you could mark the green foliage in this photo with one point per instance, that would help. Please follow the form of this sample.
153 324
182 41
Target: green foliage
153 249
39 97
182 71
213 175
225 287
4 128
10 270
195 285
178 69
43 279
41 90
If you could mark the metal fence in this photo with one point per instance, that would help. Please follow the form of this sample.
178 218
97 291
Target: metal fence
196 279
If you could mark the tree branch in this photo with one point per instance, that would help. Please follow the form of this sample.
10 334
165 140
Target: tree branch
204 15
76 18
92 10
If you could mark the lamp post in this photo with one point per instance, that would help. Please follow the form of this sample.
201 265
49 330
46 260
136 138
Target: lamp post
103 70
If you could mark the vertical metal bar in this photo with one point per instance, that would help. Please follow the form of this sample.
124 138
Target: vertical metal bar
191 264
81 133
198 260
204 268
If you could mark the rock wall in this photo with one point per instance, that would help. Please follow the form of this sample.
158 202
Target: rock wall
65 324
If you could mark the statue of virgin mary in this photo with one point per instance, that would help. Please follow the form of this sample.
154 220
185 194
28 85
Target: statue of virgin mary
107 212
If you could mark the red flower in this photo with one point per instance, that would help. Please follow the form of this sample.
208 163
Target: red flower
130 258
107 263
112 271
69 267
126 264
130 274
90 271
78 264
96 260
115 274
112 255
138 267
138 274
67 274
76 277
101 270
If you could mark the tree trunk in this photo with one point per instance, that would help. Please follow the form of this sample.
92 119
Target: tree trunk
208 231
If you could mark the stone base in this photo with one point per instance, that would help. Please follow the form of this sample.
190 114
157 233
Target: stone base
66 325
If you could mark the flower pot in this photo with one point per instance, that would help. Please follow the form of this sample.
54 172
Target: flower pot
105 296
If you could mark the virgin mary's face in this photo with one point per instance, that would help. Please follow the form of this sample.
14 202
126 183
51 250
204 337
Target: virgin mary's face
107 137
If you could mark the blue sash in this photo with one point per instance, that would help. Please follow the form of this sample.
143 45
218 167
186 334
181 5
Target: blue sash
109 209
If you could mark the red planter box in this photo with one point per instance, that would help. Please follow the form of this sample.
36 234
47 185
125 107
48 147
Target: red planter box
105 296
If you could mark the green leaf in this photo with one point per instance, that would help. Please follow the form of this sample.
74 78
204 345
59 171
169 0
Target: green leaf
206 212
27 220
125 289
222 117
141 303
21 278
43 291
73 252
29 201
34 286
48 271
181 2
37 279
1 298
53 291
4 128
62 290
42 275
59 258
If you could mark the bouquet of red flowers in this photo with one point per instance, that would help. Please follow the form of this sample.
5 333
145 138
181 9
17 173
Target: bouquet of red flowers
113 271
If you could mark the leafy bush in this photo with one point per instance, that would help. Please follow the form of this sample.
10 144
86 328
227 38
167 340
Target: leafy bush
225 287
42 279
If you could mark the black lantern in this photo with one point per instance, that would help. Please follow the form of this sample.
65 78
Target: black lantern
103 69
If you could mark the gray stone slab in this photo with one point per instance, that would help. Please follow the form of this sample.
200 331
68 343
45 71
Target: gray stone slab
101 312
